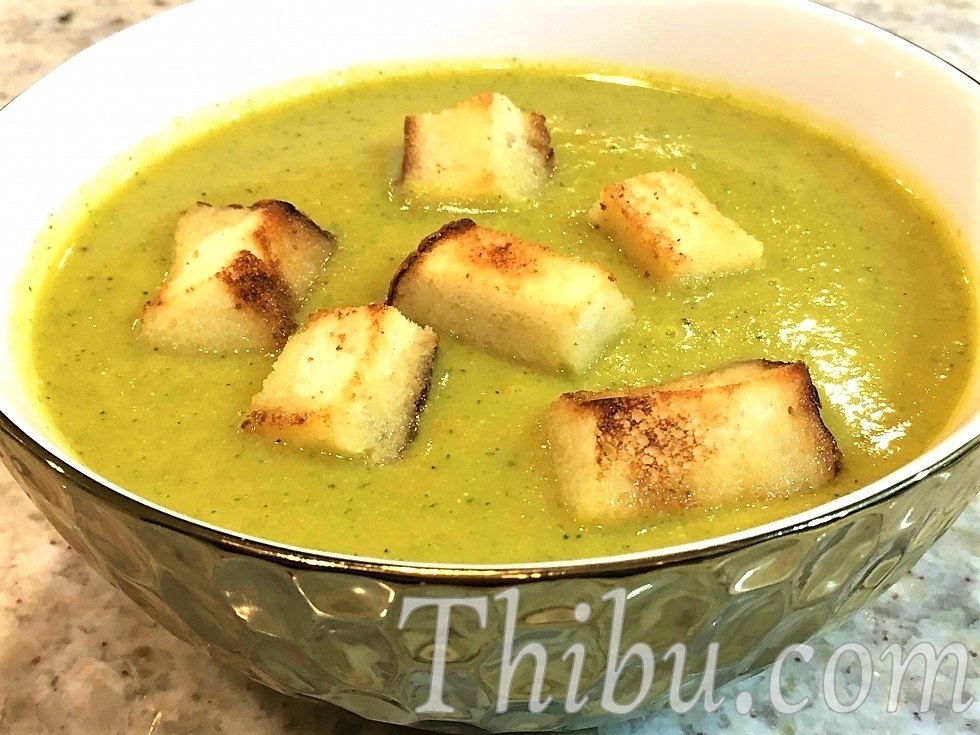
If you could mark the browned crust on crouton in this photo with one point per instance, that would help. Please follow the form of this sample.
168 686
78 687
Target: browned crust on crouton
653 445
507 255
539 138
450 229
412 156
426 368
279 216
661 246
284 215
282 211
261 420
257 286
258 419
486 248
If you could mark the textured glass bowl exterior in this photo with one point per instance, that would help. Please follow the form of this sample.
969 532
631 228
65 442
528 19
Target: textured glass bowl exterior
328 629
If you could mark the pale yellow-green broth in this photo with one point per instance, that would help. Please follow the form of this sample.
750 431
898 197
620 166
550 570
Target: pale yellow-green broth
859 280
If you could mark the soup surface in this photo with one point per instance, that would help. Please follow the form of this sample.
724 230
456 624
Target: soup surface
859 280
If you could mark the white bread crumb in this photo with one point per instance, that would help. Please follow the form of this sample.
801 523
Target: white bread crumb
513 297
350 382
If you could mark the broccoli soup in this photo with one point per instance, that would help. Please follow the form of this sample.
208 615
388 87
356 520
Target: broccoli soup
858 279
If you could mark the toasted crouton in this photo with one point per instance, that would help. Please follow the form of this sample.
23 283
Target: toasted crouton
669 228
748 431
237 279
510 296
484 147
350 382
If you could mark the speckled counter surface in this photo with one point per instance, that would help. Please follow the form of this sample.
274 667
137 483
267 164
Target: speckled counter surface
76 656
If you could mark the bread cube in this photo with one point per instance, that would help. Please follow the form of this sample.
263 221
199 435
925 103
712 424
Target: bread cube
352 382
237 278
668 228
748 431
513 297
483 148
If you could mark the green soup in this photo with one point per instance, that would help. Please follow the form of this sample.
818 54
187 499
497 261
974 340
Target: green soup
859 280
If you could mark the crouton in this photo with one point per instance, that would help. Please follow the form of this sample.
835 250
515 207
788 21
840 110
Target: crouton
483 148
351 382
512 297
238 277
745 432
668 228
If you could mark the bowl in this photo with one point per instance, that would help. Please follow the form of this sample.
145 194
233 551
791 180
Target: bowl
423 644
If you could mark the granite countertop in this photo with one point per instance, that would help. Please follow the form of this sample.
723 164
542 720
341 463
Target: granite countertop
76 656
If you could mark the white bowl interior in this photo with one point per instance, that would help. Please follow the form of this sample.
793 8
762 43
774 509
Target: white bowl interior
890 98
